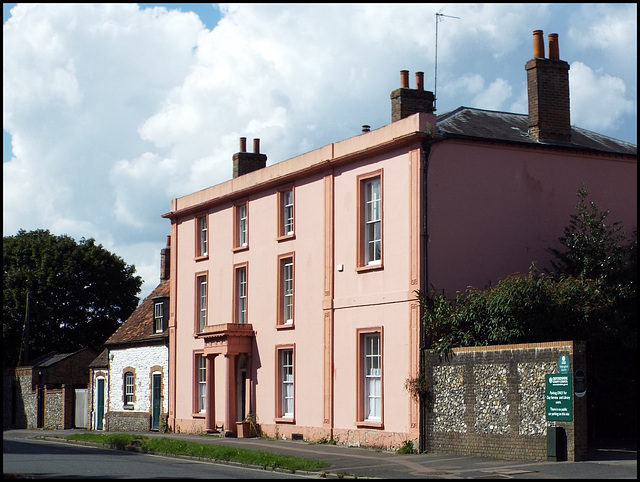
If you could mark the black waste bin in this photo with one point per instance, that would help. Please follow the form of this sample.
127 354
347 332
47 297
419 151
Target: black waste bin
556 444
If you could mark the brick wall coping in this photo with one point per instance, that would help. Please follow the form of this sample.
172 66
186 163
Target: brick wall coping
517 346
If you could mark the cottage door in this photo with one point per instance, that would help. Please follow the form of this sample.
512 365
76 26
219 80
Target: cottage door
100 414
155 402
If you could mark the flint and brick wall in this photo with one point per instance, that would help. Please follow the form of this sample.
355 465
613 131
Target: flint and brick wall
490 401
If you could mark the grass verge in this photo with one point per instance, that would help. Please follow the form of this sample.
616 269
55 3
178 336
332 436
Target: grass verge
221 453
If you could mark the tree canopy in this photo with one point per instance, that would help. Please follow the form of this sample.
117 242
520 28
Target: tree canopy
73 294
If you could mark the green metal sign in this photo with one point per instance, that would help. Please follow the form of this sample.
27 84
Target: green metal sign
559 397
563 364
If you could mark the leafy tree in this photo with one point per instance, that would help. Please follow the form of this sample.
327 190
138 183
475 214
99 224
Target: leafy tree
520 308
78 294
594 249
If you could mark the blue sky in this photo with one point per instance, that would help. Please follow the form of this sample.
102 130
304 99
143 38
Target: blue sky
112 110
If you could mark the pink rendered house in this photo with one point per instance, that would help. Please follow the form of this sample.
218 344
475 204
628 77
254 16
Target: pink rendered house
294 291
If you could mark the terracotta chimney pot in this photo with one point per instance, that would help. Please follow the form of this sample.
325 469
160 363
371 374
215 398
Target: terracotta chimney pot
538 45
243 144
256 146
554 50
420 80
404 79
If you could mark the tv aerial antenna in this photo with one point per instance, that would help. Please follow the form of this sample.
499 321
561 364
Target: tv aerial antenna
439 18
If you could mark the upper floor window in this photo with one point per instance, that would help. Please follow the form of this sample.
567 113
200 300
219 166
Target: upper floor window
285 290
285 213
370 220
129 388
202 238
158 317
241 226
201 302
241 294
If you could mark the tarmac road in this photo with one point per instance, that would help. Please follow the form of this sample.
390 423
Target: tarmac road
351 462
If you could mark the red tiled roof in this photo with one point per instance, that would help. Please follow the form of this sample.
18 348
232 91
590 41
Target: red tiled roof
139 326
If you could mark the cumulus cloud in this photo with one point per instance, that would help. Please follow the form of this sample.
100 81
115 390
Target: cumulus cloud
114 110
597 101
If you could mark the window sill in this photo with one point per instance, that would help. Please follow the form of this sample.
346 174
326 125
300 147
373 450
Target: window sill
285 237
290 326
198 415
201 258
290 420
370 267
128 407
369 424
239 249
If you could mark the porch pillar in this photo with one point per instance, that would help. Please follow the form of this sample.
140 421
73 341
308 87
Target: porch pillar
230 416
210 411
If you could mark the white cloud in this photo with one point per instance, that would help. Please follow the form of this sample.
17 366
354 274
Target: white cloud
114 110
597 101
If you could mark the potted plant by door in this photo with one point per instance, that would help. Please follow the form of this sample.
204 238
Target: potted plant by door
248 427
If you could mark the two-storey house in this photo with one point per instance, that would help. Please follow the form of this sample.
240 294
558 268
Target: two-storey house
293 287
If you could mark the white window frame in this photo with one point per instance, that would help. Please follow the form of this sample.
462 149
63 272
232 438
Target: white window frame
287 290
372 221
158 317
242 225
287 212
203 239
287 383
129 388
241 294
201 365
202 302
372 377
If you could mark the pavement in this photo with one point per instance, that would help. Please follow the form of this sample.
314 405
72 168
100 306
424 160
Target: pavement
355 462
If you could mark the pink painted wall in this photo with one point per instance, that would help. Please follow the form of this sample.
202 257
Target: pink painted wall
492 210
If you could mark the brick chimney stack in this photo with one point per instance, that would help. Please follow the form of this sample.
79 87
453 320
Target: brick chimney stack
244 162
165 261
406 101
548 90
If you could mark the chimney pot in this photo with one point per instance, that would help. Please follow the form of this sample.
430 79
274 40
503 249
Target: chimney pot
420 80
538 45
554 50
256 146
366 128
404 79
243 144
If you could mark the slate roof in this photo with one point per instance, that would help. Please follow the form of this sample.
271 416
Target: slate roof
467 122
101 361
139 326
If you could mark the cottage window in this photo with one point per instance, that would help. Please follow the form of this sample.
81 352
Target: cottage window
158 316
129 387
